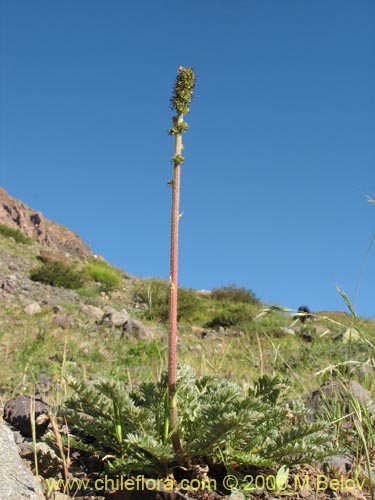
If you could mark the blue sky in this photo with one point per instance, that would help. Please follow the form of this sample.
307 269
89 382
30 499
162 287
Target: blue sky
279 154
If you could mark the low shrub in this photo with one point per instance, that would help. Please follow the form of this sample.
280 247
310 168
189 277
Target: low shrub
155 293
229 315
19 237
57 274
233 293
104 274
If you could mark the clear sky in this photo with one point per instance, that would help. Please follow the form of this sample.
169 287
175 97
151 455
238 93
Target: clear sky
280 152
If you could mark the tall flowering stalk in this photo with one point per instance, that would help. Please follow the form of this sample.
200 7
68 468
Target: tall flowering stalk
180 101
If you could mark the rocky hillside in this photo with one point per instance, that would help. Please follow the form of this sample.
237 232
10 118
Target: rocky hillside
15 214
114 326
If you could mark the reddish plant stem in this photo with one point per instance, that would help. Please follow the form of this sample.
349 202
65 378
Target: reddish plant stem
172 356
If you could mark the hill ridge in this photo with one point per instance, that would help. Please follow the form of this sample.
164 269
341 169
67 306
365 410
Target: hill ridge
17 215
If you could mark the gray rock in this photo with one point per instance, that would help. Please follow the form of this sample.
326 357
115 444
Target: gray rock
61 496
196 348
44 382
287 331
93 312
17 412
119 318
108 310
321 330
9 286
340 463
337 392
16 481
49 464
63 320
236 495
208 334
136 329
33 308
350 335
364 371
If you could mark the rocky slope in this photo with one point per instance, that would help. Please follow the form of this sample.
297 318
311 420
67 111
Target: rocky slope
15 214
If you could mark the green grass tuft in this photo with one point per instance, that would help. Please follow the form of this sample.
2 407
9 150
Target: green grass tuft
19 237
107 276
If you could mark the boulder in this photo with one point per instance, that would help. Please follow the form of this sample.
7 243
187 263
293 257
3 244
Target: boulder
335 392
136 329
9 285
119 318
340 463
284 330
364 371
93 312
63 320
49 464
350 335
17 412
16 481
33 308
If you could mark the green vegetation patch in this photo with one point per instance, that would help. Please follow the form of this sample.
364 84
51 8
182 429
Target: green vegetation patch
155 293
107 276
19 237
57 274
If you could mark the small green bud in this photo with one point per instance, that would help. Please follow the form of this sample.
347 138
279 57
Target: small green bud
178 159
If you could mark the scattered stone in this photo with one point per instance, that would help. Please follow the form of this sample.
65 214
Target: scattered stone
337 392
208 334
142 306
16 481
17 412
136 329
49 464
221 333
236 495
33 308
44 383
108 310
9 286
63 320
93 312
196 330
152 490
306 336
58 495
195 348
115 318
305 493
340 463
119 318
350 335
287 331
363 371
321 330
